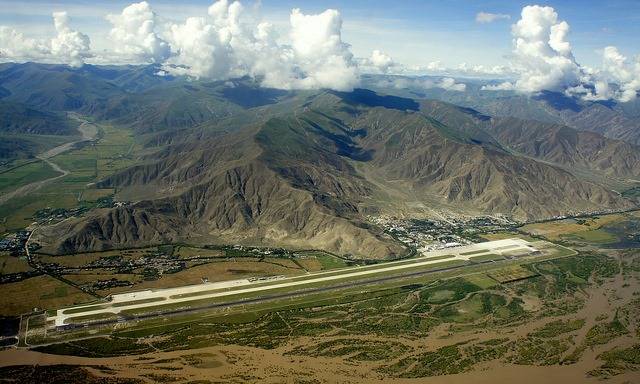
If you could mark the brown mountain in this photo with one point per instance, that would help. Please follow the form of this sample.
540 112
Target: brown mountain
307 175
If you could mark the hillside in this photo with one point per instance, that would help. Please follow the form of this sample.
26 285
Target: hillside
554 143
17 118
620 121
307 177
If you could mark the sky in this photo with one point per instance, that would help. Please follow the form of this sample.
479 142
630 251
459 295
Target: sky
409 35
414 32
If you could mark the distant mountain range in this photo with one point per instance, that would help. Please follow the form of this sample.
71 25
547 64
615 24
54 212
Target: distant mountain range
611 119
233 162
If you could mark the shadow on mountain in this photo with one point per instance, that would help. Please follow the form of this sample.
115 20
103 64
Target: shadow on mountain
607 103
250 97
559 101
345 145
340 124
372 99
474 113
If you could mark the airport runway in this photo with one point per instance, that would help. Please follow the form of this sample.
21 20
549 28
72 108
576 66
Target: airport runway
152 298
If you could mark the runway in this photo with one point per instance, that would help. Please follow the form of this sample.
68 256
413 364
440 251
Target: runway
171 296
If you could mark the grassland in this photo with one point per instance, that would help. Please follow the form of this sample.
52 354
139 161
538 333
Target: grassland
40 292
412 328
512 273
317 261
216 269
11 264
33 171
414 311
588 230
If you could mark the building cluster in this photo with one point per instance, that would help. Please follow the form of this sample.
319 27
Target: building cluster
158 261
55 215
14 243
238 250
105 284
427 235
151 266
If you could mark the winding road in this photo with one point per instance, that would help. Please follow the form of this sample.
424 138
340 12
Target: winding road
89 132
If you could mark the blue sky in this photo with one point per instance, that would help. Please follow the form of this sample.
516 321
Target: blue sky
413 32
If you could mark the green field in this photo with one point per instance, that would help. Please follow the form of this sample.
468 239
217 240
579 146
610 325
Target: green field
113 151
28 173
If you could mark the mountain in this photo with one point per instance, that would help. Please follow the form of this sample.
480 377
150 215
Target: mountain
53 87
308 174
232 162
16 118
554 143
614 120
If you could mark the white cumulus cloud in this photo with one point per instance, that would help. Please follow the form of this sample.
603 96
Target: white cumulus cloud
15 46
231 43
543 60
542 55
450 84
504 86
67 47
617 79
134 35
322 58
446 83
487 17
378 62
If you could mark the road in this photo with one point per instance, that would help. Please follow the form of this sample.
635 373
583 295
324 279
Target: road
89 132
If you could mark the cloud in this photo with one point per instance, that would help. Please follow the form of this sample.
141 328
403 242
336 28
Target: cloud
461 70
134 37
486 17
201 50
378 62
323 59
481 70
450 84
446 83
67 47
617 79
15 46
231 43
542 55
626 75
504 86
227 42
543 60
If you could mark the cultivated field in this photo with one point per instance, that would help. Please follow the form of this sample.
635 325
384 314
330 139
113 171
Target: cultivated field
88 162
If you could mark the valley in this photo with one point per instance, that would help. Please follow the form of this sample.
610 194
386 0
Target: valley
193 231
489 316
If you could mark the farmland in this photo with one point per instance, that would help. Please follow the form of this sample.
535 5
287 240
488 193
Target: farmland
86 162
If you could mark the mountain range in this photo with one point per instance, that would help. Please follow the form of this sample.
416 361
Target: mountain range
232 162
